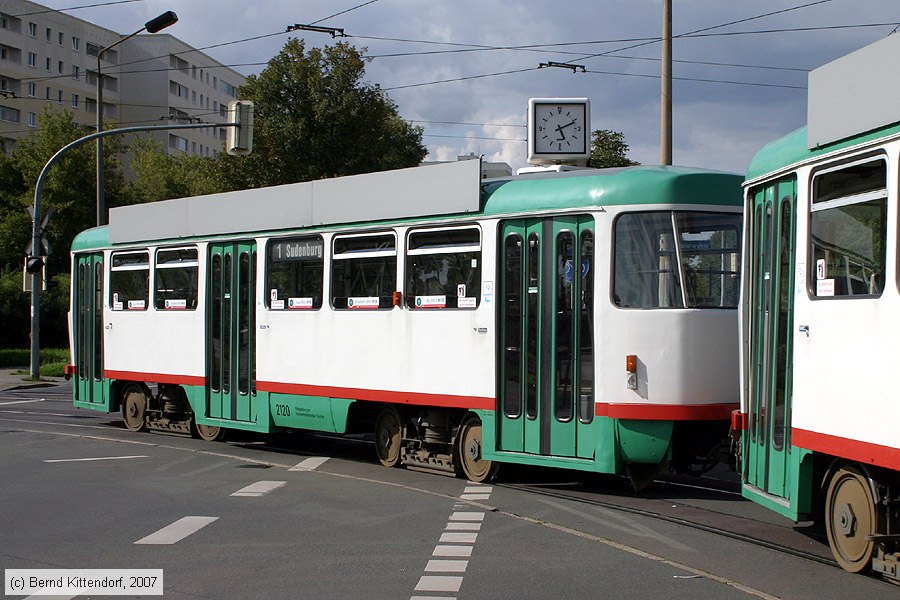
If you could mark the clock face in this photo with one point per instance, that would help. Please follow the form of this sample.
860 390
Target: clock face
559 128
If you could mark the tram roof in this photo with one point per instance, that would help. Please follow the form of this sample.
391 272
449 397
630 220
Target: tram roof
588 188
792 150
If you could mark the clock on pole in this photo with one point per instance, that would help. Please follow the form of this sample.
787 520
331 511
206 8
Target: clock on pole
559 130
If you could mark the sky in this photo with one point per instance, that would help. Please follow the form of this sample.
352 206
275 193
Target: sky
465 69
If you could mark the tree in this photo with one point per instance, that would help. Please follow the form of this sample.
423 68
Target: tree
160 176
316 118
69 187
608 149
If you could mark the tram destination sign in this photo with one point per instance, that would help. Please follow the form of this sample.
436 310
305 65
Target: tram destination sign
291 250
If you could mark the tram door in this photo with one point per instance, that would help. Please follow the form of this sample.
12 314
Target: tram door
546 401
231 329
767 439
87 328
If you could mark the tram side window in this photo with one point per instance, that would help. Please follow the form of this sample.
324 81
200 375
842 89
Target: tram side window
443 268
176 279
294 273
677 259
848 231
129 280
364 271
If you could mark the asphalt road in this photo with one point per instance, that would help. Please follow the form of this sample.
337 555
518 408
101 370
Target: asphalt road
316 517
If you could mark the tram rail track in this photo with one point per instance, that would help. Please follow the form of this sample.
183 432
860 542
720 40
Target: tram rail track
584 499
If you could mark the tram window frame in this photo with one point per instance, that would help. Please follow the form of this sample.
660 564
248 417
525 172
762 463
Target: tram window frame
307 291
366 250
187 262
833 191
119 283
678 295
457 245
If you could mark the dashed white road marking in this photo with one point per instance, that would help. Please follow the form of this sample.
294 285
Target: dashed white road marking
452 551
446 566
61 460
439 583
260 488
463 526
177 531
433 598
310 464
21 402
467 516
462 538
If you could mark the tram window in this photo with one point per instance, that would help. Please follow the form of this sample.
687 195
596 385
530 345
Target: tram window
129 280
586 330
176 279
564 352
364 272
677 259
443 268
294 273
848 231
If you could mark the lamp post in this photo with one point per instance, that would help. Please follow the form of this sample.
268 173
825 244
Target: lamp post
151 26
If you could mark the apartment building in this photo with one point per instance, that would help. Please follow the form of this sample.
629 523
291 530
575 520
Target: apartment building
50 58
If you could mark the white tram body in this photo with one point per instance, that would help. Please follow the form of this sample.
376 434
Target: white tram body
820 313
531 350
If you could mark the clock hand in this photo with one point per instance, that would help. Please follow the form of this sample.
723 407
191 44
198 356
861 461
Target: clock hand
562 135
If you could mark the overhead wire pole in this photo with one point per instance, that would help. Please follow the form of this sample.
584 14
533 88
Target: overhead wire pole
665 121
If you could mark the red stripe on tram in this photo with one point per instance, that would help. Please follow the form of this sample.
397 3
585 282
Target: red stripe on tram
198 380
864 452
666 412
416 398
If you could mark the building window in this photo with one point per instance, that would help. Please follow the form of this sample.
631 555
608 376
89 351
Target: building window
74 100
92 49
176 89
47 93
48 34
32 59
76 43
47 63
76 72
60 67
228 89
59 96
59 38
178 143
32 119
32 29
194 97
32 90
9 114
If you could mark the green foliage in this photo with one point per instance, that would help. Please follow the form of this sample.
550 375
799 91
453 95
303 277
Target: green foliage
316 118
20 357
608 149
15 310
160 176
69 187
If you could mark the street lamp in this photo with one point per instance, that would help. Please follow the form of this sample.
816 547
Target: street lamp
151 26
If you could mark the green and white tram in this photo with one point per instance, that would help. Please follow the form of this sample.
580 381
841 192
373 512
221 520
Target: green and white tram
583 319
820 306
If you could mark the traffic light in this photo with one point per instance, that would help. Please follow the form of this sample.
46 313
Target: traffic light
239 139
34 264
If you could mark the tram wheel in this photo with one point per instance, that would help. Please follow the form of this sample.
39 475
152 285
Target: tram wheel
387 436
134 405
849 518
467 453
207 433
